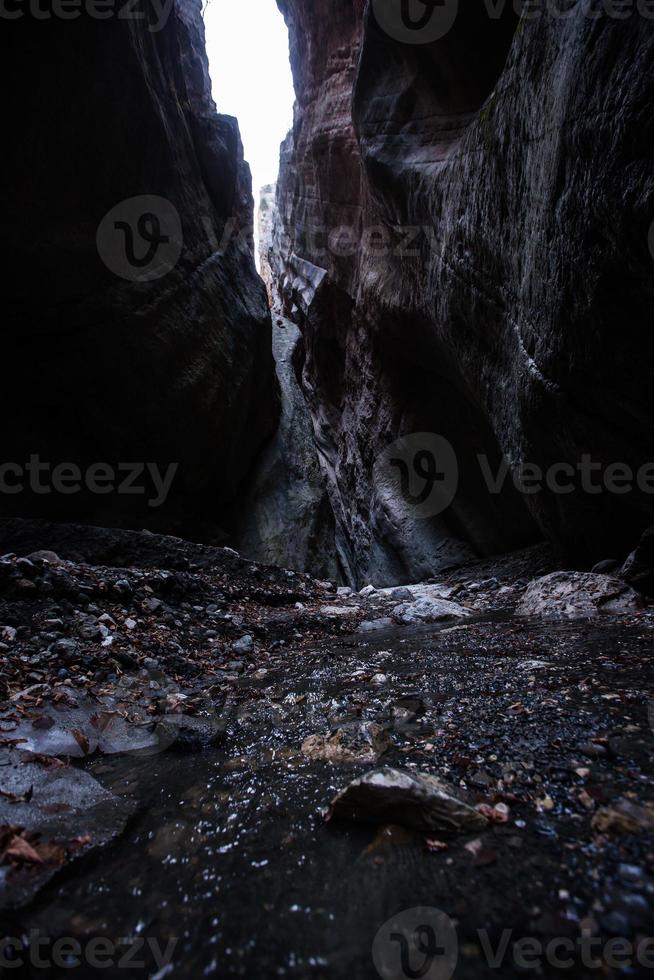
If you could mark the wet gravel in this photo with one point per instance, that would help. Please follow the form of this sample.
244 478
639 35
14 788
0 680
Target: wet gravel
543 725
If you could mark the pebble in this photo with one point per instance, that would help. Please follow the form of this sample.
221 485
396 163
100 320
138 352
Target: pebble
244 645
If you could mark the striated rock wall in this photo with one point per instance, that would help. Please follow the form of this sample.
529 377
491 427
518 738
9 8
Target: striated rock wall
106 361
286 515
266 228
463 239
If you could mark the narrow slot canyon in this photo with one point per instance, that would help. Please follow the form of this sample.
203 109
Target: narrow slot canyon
327 490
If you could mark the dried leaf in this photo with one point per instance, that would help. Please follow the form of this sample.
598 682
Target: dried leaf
20 851
81 740
43 723
47 761
15 798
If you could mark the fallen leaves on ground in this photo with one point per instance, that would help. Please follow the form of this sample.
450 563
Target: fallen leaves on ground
20 848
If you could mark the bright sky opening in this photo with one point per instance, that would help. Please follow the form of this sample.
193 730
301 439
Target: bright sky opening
247 44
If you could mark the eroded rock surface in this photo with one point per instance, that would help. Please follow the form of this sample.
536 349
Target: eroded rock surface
287 518
462 225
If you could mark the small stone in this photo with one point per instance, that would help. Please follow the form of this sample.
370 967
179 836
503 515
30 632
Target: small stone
151 604
244 645
631 872
624 818
48 556
358 742
371 625
66 649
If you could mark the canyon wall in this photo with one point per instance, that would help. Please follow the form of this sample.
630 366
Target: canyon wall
135 328
286 517
463 241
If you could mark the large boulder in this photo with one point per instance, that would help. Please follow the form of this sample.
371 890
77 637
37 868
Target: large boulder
578 595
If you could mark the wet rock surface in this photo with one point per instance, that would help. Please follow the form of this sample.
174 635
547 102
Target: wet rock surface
541 727
50 814
417 800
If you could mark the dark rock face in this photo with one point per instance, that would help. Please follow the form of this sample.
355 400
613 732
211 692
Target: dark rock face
514 318
100 367
638 569
286 517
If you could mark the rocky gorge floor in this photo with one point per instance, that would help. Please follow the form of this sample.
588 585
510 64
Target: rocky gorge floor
246 772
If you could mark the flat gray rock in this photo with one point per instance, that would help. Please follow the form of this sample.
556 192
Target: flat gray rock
58 813
427 610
